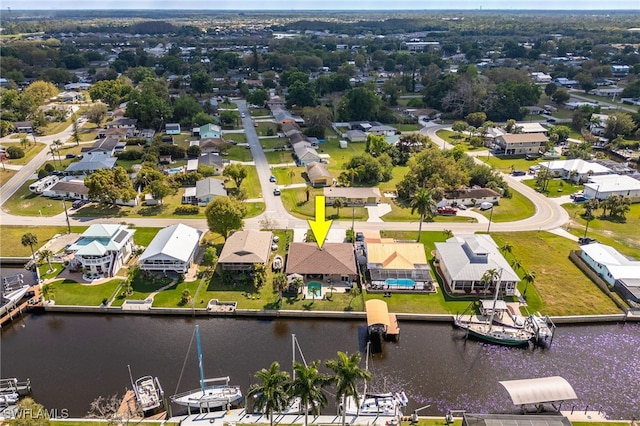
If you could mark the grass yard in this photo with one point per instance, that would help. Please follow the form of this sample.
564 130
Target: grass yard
5 175
517 207
555 187
266 128
274 143
260 112
279 157
295 201
254 209
239 153
238 137
30 151
284 175
67 292
143 285
624 236
12 233
143 235
506 165
451 137
251 183
403 214
562 289
407 128
25 203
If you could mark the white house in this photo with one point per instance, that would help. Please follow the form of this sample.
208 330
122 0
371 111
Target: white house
603 187
102 249
577 170
620 272
465 259
172 249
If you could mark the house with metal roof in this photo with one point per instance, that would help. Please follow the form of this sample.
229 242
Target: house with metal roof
172 128
210 131
334 264
244 249
401 266
90 162
172 249
617 270
463 261
205 190
318 174
521 143
605 186
102 249
576 169
305 154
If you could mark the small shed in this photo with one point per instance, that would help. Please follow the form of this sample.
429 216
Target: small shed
343 144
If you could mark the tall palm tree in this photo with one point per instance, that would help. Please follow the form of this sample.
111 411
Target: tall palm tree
30 240
489 277
272 393
448 233
529 278
422 202
337 204
347 373
516 264
46 255
308 386
506 248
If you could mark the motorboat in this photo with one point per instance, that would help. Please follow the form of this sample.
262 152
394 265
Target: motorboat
277 262
215 393
11 296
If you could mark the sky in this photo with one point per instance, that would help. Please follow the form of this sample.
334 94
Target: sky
324 4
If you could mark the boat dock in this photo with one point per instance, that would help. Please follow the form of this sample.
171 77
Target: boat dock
12 385
129 409
16 311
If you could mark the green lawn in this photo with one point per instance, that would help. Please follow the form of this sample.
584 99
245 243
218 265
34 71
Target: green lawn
451 137
407 128
30 151
517 207
623 235
142 286
284 177
562 289
295 201
274 143
251 183
239 153
143 235
67 292
254 209
12 233
403 214
260 112
238 137
279 157
263 128
506 165
25 203
555 187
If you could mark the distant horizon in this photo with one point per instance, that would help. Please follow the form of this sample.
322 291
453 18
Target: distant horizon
326 6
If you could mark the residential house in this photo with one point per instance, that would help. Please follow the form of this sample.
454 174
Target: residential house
617 270
192 165
531 127
290 128
68 188
172 249
604 186
598 123
105 145
213 145
116 132
77 86
352 196
282 116
121 122
213 160
147 134
620 70
463 261
577 170
334 264
102 249
540 77
69 96
90 162
205 190
521 143
318 174
210 131
391 263
244 249
276 103
23 126
356 135
472 197
299 137
172 128
382 130
305 154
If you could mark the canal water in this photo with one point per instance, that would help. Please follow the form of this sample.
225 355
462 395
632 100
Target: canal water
73 359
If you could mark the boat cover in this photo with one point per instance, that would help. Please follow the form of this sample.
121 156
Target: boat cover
377 312
541 390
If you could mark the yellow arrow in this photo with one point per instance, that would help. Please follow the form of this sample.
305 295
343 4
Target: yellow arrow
320 226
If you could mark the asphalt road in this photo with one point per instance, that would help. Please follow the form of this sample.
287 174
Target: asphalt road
548 214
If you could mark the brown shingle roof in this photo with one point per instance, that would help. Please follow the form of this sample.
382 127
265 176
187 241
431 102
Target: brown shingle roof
246 247
332 259
317 170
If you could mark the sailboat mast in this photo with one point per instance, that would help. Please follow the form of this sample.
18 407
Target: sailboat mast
366 367
293 356
135 388
200 357
495 300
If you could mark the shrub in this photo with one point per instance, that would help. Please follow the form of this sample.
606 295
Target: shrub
187 210
15 152
130 155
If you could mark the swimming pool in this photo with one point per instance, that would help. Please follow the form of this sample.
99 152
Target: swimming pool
314 285
400 282
174 171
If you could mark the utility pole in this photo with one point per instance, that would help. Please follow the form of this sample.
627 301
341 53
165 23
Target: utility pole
490 217
66 214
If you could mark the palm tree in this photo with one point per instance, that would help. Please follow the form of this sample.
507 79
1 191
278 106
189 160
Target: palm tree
448 233
337 203
516 264
279 284
347 373
314 293
489 278
30 240
272 393
331 290
529 278
422 202
47 292
506 248
46 255
307 385
57 144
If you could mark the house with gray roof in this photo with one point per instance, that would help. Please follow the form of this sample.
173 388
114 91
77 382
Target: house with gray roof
244 249
356 135
205 190
90 162
213 160
463 261
318 174
68 188
521 143
617 270
102 249
172 249
305 154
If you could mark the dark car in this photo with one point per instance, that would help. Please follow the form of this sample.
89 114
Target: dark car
68 156
518 173
359 236
551 120
78 203
586 240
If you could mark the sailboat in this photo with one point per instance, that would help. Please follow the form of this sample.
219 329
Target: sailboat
213 393
489 332
148 391
376 404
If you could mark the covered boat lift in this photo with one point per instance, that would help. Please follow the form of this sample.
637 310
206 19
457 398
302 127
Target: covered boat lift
545 390
379 320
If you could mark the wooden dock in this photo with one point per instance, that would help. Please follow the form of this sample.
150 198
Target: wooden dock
129 409
34 301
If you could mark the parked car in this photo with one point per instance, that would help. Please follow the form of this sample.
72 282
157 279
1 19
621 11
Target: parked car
272 178
518 173
486 205
359 236
579 198
586 240
78 203
276 191
447 211
551 120
462 207
69 156
274 246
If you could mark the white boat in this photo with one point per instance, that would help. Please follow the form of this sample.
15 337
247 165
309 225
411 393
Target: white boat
277 263
11 296
8 398
148 391
213 393
376 404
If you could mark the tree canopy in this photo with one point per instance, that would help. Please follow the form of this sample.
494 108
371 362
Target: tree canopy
225 214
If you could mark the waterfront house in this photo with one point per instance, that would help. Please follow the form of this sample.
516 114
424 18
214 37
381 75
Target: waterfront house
604 186
463 260
399 265
172 249
352 196
205 191
617 270
521 143
318 174
102 249
244 249
334 264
